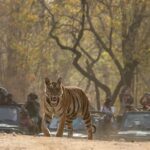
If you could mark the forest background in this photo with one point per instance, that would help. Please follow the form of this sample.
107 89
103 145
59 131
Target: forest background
98 45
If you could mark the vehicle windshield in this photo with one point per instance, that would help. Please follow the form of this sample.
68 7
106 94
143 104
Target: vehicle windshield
8 116
139 121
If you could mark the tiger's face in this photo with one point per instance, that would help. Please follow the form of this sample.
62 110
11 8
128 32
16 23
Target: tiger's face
53 91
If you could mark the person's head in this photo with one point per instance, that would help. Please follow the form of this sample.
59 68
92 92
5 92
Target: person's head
9 97
32 97
126 91
147 95
147 98
127 97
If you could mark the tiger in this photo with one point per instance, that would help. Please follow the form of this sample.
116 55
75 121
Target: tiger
67 103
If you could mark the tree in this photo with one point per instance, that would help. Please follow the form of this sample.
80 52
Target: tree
89 17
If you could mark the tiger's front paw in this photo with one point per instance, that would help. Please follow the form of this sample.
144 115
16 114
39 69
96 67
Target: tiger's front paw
59 134
47 133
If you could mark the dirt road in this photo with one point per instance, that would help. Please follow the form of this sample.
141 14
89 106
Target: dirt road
22 142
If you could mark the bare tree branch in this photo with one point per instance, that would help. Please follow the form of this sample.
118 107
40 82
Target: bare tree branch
110 52
73 48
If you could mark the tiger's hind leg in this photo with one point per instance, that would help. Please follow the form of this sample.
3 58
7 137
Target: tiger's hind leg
69 127
88 124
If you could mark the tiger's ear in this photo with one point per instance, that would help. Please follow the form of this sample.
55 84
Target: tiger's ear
47 81
59 81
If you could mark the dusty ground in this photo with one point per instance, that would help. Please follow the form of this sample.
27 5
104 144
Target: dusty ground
18 142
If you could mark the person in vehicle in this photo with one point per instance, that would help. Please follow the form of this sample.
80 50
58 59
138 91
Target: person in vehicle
32 105
108 116
9 99
3 95
126 100
145 101
107 108
6 98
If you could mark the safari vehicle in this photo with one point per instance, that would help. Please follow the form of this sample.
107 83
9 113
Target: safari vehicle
10 119
98 119
135 126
